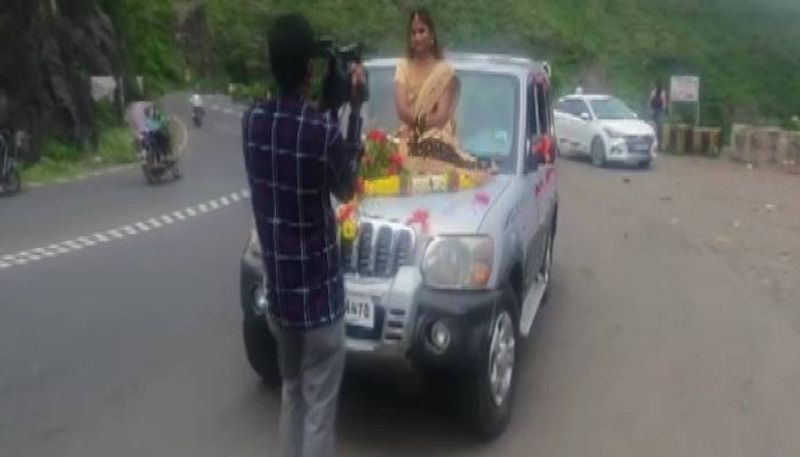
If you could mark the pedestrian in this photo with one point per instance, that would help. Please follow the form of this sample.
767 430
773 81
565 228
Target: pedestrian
296 158
658 105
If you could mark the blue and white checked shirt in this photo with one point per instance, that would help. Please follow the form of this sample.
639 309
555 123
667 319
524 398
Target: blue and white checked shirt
296 159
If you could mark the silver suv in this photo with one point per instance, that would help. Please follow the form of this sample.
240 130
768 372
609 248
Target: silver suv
460 294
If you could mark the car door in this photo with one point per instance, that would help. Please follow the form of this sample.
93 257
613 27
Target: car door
583 119
538 173
564 126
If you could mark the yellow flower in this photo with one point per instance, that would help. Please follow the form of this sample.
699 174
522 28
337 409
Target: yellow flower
349 230
387 186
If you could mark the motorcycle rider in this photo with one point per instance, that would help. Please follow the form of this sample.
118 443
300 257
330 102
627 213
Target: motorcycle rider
196 100
147 125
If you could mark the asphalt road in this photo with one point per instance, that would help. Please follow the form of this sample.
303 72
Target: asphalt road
672 329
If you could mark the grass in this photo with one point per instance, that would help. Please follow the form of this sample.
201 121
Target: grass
62 161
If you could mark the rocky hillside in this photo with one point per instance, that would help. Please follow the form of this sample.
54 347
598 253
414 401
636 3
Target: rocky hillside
49 51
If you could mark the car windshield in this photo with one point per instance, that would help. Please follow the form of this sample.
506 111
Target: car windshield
611 109
486 117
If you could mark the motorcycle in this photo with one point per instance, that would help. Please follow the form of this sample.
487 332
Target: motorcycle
157 160
10 179
198 113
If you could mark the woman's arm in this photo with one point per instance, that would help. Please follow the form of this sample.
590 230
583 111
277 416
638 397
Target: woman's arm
404 110
443 110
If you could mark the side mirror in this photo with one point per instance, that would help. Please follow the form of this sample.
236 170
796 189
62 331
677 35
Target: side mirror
541 152
585 116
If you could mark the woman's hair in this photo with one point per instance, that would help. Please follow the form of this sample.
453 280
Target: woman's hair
423 15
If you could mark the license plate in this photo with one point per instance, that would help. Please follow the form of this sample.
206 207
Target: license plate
360 312
640 147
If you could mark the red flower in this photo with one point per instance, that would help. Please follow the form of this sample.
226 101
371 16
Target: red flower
419 217
393 169
482 198
396 158
377 136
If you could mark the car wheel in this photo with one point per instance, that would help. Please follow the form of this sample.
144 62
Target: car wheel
598 152
645 165
546 270
262 351
492 386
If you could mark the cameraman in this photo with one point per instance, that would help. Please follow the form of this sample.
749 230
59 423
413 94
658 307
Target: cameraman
296 158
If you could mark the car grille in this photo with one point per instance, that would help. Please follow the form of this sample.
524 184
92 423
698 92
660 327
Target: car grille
639 143
380 249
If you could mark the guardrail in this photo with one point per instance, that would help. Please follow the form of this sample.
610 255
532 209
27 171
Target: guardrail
690 139
765 146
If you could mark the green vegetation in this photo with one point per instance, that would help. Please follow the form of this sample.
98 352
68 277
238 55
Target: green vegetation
60 160
146 30
746 51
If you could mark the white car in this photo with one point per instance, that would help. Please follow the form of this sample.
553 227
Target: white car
605 129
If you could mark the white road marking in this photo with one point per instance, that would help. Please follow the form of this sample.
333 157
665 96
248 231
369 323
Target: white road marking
115 233
100 238
86 241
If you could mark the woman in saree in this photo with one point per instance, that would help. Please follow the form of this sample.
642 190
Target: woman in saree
426 95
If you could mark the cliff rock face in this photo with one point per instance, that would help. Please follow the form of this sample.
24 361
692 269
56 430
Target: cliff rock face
49 51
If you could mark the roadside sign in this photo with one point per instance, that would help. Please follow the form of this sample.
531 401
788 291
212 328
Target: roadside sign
103 87
684 89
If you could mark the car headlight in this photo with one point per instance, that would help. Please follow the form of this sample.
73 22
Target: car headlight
613 133
254 245
458 262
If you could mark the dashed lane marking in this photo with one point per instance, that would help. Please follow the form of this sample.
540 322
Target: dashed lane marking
103 237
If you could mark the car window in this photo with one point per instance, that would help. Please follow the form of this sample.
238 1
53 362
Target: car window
486 115
580 108
612 109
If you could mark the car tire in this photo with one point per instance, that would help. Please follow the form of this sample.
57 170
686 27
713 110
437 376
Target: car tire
262 352
597 152
490 388
546 270
645 164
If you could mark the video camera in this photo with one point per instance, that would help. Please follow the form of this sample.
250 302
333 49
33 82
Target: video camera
337 83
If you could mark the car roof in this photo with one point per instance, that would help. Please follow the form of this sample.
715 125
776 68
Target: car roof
499 63
587 97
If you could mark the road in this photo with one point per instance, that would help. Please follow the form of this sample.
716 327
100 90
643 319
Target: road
672 328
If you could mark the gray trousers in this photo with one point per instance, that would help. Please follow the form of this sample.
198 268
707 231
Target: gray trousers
311 364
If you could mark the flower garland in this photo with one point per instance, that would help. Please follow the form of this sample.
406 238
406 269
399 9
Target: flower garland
383 172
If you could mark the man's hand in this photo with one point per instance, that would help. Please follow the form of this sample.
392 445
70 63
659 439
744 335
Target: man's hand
358 80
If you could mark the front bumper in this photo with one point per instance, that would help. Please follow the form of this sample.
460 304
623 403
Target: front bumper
405 312
619 150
